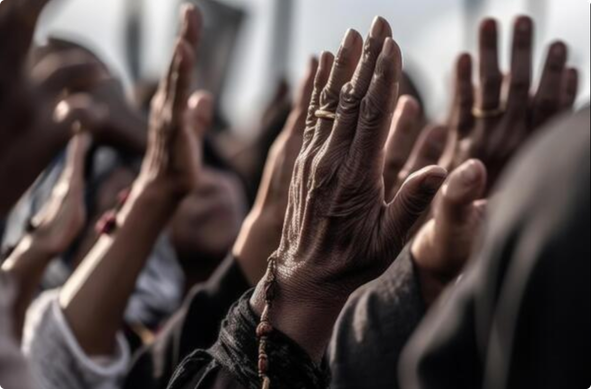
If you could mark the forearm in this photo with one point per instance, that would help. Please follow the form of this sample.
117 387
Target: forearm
258 238
95 297
132 135
26 266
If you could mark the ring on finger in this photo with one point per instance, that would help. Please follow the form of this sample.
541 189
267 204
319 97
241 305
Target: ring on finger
321 114
481 113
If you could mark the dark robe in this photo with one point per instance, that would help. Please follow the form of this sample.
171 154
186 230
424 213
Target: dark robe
195 326
520 316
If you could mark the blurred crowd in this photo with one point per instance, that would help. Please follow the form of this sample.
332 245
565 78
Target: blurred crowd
355 243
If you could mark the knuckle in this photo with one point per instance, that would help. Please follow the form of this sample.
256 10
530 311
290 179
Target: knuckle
371 112
491 82
349 101
329 98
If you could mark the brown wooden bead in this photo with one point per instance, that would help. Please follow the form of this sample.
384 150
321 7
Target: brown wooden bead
264 329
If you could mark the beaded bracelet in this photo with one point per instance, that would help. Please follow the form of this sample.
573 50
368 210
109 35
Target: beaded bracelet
265 329
107 224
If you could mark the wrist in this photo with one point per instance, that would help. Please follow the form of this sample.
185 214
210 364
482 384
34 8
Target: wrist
304 316
151 196
257 240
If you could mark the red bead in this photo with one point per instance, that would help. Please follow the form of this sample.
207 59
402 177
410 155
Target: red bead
107 223
263 364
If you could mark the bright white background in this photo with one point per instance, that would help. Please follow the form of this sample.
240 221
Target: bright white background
431 33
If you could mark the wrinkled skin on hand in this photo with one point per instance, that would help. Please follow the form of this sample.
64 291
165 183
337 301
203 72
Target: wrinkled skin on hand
494 140
261 232
340 231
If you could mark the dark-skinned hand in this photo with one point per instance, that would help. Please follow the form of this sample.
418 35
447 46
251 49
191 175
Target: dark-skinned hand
495 138
340 230
261 232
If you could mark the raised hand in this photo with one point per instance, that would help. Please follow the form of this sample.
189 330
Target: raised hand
95 297
486 128
261 232
173 158
52 230
442 247
33 127
60 221
111 118
409 147
340 231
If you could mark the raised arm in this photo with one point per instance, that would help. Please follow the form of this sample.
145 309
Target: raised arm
51 231
94 298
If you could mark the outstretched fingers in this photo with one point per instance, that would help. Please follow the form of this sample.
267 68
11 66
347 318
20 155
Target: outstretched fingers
547 101
404 132
491 78
343 69
462 120
521 68
570 88
353 93
320 81
296 123
375 113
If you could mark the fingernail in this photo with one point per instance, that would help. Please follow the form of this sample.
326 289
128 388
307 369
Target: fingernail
434 180
324 60
377 27
523 25
389 47
559 49
469 173
348 39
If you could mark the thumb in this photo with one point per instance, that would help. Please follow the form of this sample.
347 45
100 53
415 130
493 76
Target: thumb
76 157
464 186
413 199
200 113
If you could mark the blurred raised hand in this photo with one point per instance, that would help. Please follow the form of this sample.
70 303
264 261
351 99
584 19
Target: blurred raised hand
95 297
37 117
112 119
491 127
261 232
51 231
443 246
410 146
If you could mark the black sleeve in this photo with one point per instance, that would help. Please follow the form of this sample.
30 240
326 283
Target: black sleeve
520 315
374 327
195 326
232 362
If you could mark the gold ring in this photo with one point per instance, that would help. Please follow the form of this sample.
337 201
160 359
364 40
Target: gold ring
487 113
320 114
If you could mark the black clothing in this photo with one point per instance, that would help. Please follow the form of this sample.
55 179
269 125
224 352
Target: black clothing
521 315
232 361
374 327
195 326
